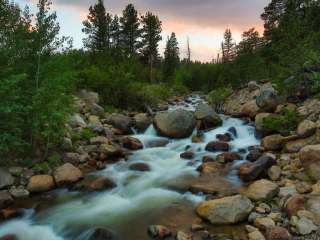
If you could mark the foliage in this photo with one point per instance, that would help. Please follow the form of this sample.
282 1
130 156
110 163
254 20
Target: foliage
283 124
219 95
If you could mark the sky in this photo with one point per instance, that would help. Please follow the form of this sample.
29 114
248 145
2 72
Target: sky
203 21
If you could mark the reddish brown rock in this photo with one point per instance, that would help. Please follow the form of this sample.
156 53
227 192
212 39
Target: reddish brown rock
278 233
132 143
294 204
187 155
141 167
217 146
228 157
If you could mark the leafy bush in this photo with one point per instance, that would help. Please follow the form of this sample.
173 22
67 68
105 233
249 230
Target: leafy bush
219 95
283 124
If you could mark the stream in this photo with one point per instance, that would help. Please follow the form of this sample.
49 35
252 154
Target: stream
159 196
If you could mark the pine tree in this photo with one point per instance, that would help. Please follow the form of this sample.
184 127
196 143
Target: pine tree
151 35
97 27
115 32
188 51
130 30
251 42
171 55
228 47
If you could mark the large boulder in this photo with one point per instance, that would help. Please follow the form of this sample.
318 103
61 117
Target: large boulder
40 183
206 117
226 210
121 122
306 128
267 100
141 122
6 179
67 174
175 124
252 171
262 190
310 159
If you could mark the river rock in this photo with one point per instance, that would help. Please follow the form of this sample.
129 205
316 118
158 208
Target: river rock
187 155
254 154
111 150
5 199
253 86
274 173
264 223
95 124
217 146
101 234
40 183
67 174
228 157
184 236
99 140
96 109
226 210
94 183
267 100
296 145
278 233
206 117
19 192
131 143
252 171
159 231
250 109
159 142
77 121
6 179
259 120
256 235
121 122
141 167
273 142
175 124
89 96
303 225
294 204
306 128
262 190
224 137
310 159
141 122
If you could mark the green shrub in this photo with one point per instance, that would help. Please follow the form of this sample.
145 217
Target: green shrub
283 124
219 95
87 134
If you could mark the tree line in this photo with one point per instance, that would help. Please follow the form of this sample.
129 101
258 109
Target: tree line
40 70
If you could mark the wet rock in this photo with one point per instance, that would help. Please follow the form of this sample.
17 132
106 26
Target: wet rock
141 167
274 173
77 121
224 137
6 179
157 143
254 153
226 210
252 171
273 142
187 155
141 122
94 183
10 213
9 237
294 204
176 124
184 236
228 157
206 117
264 223
306 128
101 234
132 143
262 190
5 199
121 122
159 231
250 109
267 101
40 183
217 146
233 131
310 159
19 192
278 233
67 174
198 138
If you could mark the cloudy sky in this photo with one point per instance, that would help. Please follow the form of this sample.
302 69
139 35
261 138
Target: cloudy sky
203 21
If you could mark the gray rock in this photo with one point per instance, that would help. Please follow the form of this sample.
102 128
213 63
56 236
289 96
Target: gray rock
267 100
206 117
6 179
5 199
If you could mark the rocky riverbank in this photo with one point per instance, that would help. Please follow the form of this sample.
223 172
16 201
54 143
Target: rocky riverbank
277 199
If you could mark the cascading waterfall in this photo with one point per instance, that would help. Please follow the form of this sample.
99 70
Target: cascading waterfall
139 197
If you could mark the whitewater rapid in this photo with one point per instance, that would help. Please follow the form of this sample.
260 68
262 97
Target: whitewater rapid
137 195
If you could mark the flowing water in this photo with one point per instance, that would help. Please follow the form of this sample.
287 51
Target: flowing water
140 198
